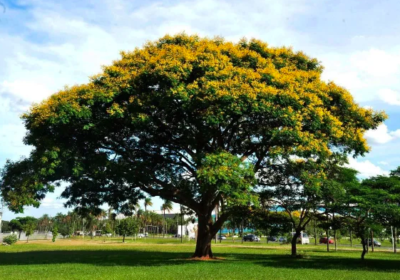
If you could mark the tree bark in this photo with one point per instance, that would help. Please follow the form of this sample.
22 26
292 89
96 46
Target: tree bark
123 238
204 237
365 246
395 240
294 243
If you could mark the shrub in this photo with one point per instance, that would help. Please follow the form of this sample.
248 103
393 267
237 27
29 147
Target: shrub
11 239
54 232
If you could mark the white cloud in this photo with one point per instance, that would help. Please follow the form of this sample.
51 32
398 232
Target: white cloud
376 63
389 96
366 168
381 135
366 74
50 202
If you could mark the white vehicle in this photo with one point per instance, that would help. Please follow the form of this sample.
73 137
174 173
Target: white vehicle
303 238
140 235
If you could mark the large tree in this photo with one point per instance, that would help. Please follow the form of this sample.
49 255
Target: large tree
192 120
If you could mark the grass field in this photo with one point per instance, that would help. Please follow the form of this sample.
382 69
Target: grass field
168 259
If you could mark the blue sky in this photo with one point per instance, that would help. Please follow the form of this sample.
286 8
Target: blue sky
45 45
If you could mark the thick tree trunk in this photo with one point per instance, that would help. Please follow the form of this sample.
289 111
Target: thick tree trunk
395 240
294 243
204 237
123 238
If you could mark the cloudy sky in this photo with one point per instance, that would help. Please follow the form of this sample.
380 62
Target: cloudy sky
45 45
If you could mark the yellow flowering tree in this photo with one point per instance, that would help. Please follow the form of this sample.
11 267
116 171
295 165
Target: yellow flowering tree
192 120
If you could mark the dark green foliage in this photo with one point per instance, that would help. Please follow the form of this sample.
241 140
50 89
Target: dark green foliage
23 224
54 232
127 227
10 239
5 226
193 120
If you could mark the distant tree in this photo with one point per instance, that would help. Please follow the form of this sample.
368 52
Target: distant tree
5 226
29 228
271 223
127 227
54 232
333 197
295 187
44 223
107 229
65 230
362 207
147 203
16 225
166 207
21 223
387 212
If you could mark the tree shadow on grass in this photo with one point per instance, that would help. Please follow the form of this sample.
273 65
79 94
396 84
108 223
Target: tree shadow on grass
328 262
134 257
95 257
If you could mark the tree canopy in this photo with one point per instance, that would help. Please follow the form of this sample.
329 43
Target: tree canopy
193 120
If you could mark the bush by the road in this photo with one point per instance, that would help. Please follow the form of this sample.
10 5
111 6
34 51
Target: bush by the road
11 239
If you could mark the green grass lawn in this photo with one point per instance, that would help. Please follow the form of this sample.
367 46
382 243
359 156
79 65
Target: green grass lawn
168 259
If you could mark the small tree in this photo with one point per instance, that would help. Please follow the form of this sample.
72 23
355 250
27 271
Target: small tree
16 226
54 232
295 186
65 230
127 227
29 228
106 230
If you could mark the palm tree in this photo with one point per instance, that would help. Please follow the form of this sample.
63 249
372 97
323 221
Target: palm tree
167 206
133 207
147 202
